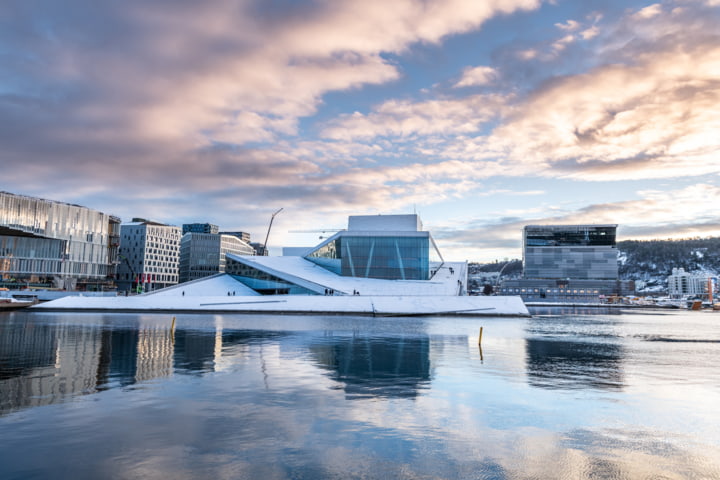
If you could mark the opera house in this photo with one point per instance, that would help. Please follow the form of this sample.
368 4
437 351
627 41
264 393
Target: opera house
380 265
376 255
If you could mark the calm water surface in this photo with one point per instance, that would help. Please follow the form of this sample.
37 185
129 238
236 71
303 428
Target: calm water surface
564 395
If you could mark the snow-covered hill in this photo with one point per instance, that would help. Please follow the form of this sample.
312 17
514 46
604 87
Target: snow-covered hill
651 262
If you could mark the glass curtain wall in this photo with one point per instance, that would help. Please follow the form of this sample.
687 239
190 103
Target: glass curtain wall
384 257
569 236
263 282
199 256
43 238
328 256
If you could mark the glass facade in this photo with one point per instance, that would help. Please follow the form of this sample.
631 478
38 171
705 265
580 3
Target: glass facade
54 244
389 257
580 235
382 247
199 228
328 256
203 254
263 282
582 252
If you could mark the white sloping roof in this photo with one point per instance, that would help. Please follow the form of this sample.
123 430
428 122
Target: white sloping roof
220 284
309 275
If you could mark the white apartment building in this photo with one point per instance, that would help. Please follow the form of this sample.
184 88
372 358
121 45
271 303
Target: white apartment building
149 256
682 283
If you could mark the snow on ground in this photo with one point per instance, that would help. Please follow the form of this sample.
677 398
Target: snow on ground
346 304
223 293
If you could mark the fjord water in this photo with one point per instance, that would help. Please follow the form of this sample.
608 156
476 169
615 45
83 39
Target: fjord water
564 394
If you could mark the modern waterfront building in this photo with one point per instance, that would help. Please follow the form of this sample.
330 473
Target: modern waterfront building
149 255
581 252
381 266
376 255
199 228
203 254
685 284
568 263
45 243
244 236
260 249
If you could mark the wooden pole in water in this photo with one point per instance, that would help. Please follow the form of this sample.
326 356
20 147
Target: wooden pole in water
172 332
480 336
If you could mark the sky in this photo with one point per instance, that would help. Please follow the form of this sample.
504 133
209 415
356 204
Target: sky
480 116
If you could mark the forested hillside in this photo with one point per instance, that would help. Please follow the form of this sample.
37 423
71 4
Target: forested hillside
656 258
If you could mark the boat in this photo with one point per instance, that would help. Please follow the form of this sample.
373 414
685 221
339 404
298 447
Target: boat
13 304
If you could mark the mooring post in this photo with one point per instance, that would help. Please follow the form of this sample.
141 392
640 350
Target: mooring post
172 332
480 344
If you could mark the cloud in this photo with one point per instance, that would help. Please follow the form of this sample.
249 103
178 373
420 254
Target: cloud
648 110
590 33
477 76
164 106
163 98
655 214
654 119
649 12
561 43
398 118
178 71
569 26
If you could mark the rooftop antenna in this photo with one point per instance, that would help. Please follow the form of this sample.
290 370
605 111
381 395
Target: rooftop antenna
268 232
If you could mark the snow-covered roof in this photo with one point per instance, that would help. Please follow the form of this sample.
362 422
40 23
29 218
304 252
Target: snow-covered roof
219 284
446 281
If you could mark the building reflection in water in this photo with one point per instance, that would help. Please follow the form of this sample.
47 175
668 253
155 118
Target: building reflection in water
41 364
372 366
554 363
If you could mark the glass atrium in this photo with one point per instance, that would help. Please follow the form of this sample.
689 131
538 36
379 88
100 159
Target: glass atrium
389 257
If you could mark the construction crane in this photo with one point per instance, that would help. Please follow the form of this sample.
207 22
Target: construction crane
268 232
135 279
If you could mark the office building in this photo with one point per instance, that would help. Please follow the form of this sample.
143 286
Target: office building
199 228
45 243
244 236
568 263
149 256
203 254
260 249
580 252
